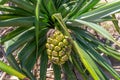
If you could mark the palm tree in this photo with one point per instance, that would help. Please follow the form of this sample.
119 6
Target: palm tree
40 27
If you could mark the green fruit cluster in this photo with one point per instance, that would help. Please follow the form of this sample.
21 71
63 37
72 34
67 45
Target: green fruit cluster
58 47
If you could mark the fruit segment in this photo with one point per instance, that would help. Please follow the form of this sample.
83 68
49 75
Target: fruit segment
58 47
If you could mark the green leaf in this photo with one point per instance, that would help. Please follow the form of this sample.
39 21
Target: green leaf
21 21
49 7
28 73
8 16
14 10
29 55
18 41
12 61
58 3
102 62
96 56
27 50
30 47
61 25
95 43
109 51
65 8
115 22
57 72
88 62
37 25
94 26
33 1
43 65
107 18
13 34
79 66
11 70
84 8
77 6
24 5
68 71
28 58
101 12
3 2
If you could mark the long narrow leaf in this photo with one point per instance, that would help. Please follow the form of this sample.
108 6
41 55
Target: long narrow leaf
66 8
26 52
98 58
105 65
15 43
57 72
50 7
12 61
68 71
95 43
101 12
24 5
37 25
13 34
15 10
43 65
11 70
94 26
109 51
33 1
29 60
27 64
79 66
8 16
77 7
86 60
115 22
3 2
28 73
22 21
89 5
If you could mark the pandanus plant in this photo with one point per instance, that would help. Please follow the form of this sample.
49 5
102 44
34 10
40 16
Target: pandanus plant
54 31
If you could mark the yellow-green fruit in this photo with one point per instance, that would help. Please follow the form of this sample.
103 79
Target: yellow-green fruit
58 47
